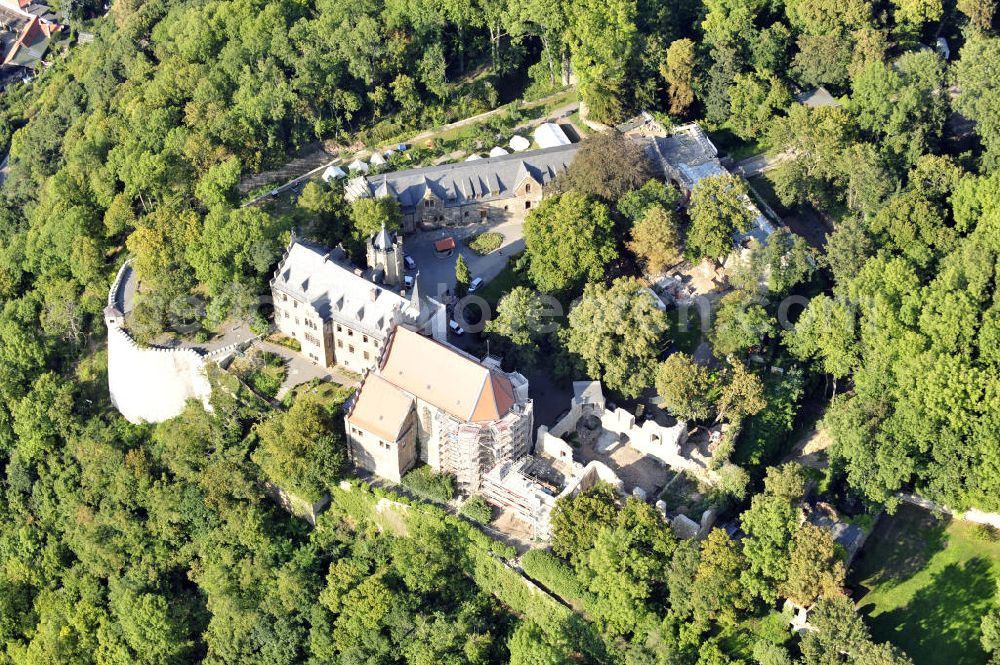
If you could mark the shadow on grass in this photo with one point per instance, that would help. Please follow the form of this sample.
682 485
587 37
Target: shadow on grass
900 547
941 623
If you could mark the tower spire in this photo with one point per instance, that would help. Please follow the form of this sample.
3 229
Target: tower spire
415 293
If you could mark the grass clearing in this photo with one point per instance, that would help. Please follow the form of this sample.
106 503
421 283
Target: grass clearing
685 328
331 395
924 584
726 140
261 370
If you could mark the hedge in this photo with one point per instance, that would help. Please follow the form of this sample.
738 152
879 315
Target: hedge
484 243
555 575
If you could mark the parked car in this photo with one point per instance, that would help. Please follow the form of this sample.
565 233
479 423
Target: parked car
476 283
408 281
410 263
455 328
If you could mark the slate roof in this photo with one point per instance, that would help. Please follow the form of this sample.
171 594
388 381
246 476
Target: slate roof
308 273
31 43
456 184
816 98
382 240
686 156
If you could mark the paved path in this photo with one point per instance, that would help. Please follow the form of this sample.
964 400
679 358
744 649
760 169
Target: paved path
302 370
765 161
555 114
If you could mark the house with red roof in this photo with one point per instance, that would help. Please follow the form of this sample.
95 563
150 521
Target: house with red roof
429 402
32 43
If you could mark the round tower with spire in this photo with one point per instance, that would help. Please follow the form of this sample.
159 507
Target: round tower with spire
385 257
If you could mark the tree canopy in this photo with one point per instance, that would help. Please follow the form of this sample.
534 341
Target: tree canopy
568 239
618 331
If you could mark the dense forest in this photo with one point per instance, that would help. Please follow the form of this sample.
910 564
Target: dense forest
159 544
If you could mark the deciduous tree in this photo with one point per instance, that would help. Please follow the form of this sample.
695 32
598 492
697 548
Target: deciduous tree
618 331
568 239
678 70
655 240
740 324
607 166
742 395
814 570
719 208
685 387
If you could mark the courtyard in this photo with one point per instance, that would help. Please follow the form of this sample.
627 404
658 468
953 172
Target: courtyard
437 271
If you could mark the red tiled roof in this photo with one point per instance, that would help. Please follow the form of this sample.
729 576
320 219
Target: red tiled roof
445 244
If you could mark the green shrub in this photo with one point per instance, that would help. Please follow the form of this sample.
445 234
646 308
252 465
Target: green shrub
986 533
773 628
286 341
272 359
478 510
265 384
424 482
551 572
484 243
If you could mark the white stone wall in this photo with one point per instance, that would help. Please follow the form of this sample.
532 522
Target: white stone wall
151 384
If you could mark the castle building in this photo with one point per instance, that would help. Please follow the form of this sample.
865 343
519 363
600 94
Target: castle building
338 316
384 252
429 402
491 189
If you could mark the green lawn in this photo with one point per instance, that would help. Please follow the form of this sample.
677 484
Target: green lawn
503 283
925 583
729 143
686 337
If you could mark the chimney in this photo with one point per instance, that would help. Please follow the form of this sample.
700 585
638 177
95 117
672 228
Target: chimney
374 294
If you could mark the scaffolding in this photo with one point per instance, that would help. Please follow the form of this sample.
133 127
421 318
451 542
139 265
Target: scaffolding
470 450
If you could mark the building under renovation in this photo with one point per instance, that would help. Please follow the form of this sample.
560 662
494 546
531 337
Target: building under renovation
427 401
531 485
